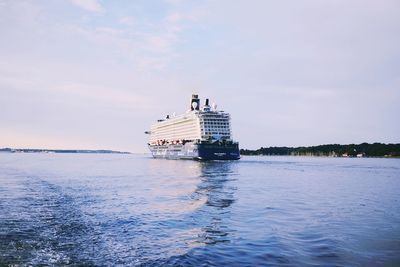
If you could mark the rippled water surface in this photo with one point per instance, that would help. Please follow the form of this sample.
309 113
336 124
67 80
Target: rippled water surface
78 209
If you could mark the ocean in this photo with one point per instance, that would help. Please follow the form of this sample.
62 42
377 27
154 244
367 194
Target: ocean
132 210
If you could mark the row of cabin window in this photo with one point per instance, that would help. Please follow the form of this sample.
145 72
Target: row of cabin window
218 124
215 130
215 117
218 119
221 133
215 122
217 127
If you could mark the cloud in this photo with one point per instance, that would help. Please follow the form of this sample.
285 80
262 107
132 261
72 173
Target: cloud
174 17
89 5
127 20
106 96
173 2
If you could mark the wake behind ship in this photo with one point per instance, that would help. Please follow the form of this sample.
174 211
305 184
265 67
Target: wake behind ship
202 133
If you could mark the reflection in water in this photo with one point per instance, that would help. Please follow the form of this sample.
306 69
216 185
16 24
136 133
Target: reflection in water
206 193
215 178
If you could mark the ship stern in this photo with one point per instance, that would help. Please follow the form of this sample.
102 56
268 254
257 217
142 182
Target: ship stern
218 151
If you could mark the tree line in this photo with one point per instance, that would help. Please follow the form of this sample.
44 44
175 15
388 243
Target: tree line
333 150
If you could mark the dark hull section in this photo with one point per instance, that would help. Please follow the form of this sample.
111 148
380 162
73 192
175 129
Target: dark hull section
203 151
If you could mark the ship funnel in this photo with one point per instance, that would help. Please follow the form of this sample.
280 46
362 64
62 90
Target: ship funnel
206 107
195 102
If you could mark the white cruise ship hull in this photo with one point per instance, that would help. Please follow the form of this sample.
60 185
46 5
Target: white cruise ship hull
197 151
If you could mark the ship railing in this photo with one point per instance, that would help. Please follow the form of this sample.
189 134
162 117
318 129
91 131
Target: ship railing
170 142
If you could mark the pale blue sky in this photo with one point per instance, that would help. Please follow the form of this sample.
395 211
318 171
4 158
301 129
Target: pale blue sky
96 74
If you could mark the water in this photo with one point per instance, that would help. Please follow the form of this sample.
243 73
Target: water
78 209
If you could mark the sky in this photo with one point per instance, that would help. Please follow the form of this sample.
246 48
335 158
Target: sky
92 74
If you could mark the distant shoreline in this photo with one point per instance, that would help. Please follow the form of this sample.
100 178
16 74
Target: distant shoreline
60 151
375 150
315 156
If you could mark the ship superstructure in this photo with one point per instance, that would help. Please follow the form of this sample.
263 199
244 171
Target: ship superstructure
200 133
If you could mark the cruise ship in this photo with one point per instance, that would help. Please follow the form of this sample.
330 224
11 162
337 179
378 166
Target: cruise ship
202 133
